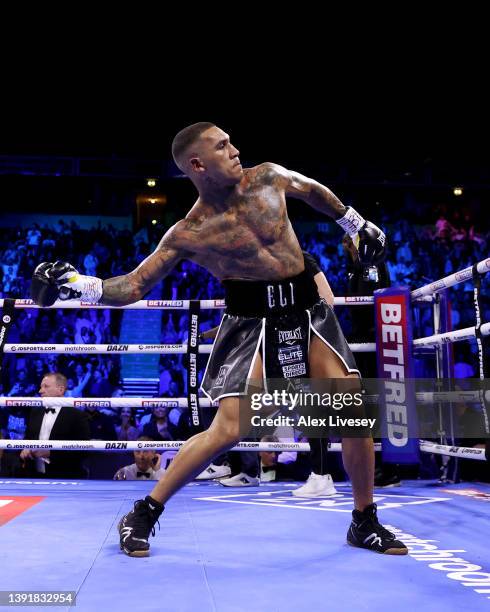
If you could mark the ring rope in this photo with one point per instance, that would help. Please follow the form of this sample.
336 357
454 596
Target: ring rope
118 445
421 294
359 347
423 397
140 305
463 452
468 333
482 267
356 300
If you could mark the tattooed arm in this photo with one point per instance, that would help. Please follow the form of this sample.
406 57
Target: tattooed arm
368 239
129 288
60 280
310 191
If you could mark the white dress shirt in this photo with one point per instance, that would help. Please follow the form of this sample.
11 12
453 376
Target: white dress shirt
47 425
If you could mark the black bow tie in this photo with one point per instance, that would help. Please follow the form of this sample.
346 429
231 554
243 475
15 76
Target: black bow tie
270 468
48 410
146 474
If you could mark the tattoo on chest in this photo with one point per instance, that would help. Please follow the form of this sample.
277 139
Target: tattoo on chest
252 233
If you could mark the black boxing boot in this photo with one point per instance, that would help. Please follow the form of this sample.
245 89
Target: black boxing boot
366 531
135 527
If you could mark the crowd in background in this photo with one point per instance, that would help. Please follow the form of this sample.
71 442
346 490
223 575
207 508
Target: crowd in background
417 255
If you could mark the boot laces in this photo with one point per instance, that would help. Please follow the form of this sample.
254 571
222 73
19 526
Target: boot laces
379 529
144 520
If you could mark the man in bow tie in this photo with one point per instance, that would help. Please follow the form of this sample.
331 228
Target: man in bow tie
55 422
146 466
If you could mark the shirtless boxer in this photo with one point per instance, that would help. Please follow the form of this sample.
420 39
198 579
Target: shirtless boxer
239 230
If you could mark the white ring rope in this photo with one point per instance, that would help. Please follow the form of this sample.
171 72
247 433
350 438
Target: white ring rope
103 348
356 300
421 294
123 445
453 279
360 347
463 452
103 402
140 305
468 333
118 445
423 397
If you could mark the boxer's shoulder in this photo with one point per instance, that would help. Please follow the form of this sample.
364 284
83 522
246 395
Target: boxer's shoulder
268 174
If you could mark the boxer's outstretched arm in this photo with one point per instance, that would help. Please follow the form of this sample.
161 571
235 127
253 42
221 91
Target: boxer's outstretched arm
129 288
312 192
368 238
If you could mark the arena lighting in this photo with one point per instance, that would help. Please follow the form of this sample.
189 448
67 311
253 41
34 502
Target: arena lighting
151 182
153 221
152 201
458 191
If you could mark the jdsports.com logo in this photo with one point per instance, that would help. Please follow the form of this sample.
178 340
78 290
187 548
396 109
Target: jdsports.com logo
28 348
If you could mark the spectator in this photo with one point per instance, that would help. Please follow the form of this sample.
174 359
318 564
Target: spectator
101 427
99 386
73 390
13 422
22 387
90 264
464 359
127 430
273 466
56 423
146 466
159 427
164 425
165 379
34 236
37 371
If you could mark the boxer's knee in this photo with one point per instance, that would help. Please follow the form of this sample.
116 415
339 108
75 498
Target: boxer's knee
226 424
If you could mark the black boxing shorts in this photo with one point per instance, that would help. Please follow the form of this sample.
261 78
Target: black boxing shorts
275 318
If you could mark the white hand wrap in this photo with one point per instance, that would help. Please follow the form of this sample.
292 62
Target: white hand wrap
90 287
351 222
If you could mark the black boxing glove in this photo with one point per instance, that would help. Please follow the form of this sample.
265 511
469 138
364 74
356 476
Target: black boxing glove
44 292
60 280
368 239
371 245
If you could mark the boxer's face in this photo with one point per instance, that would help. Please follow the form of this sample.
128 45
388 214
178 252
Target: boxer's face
216 158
